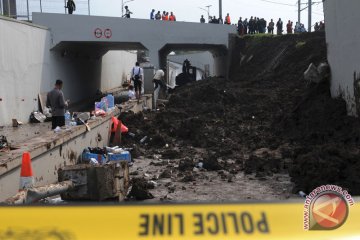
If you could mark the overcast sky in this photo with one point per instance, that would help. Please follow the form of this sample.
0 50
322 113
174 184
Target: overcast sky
189 10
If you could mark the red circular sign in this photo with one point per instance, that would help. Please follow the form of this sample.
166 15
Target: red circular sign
108 33
330 210
98 33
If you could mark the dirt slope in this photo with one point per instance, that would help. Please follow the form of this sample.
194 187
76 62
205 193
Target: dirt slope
264 120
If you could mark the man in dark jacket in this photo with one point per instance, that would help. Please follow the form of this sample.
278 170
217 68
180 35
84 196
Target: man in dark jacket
71 6
158 16
55 100
279 27
240 27
271 27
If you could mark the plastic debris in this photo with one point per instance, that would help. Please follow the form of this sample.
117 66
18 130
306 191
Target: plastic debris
143 139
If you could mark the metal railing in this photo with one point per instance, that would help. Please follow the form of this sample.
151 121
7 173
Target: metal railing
23 9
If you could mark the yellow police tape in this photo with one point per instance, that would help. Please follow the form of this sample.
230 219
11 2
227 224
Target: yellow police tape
215 221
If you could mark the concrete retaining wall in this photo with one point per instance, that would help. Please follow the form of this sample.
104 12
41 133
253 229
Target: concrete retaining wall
343 40
116 68
24 61
50 152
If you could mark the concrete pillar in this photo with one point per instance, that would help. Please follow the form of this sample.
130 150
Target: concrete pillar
154 58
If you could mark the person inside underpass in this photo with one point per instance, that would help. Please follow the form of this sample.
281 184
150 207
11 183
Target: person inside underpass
137 77
55 100
159 84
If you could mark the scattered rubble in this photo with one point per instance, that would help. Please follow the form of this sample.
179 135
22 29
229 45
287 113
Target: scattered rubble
140 189
266 121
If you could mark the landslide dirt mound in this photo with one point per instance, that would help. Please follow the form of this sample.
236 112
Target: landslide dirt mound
265 119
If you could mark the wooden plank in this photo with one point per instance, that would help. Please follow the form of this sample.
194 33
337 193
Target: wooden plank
42 100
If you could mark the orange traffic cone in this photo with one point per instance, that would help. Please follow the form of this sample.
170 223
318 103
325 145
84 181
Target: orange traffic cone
26 175
124 129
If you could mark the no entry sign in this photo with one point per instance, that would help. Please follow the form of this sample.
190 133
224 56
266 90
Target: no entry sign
98 33
108 33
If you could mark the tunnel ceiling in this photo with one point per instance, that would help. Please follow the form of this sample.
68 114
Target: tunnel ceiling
214 49
94 49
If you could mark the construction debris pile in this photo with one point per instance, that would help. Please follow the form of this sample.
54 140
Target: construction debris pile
267 119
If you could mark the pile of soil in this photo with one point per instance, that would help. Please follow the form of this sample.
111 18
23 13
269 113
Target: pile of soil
139 190
265 119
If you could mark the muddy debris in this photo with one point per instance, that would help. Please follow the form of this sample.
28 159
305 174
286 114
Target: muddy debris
189 177
171 154
140 190
264 120
186 164
211 163
165 174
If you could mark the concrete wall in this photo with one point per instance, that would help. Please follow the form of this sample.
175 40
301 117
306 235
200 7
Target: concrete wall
24 62
343 40
116 68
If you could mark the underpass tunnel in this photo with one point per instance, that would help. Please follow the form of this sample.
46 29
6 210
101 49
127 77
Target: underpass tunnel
88 68
209 60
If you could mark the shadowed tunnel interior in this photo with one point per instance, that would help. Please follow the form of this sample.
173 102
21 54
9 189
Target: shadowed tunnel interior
219 53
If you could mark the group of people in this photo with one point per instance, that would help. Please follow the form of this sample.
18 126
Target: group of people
56 101
215 20
319 26
259 25
137 77
252 26
164 16
299 28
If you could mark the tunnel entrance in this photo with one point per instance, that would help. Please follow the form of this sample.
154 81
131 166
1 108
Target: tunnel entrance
205 60
91 68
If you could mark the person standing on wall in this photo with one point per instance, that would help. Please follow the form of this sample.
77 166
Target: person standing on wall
163 16
152 15
137 78
246 25
70 5
289 27
279 27
227 20
202 19
240 26
55 100
158 16
172 17
127 12
271 27
159 85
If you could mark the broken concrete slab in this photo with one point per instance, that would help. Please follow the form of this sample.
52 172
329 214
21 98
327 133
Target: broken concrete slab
98 182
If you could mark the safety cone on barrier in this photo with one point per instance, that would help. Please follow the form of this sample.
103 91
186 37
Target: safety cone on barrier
124 129
26 175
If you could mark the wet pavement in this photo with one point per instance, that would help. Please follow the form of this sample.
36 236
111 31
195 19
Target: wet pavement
24 132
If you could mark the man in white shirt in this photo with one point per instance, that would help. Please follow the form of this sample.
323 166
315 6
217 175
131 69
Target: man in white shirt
159 84
137 77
